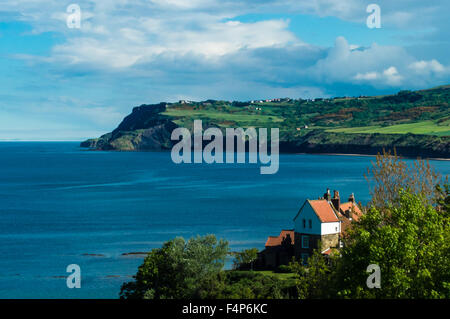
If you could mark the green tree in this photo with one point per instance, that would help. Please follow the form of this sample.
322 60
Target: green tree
314 280
180 269
245 258
254 285
407 240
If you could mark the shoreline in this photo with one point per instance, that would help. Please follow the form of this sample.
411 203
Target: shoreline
292 153
372 155
284 153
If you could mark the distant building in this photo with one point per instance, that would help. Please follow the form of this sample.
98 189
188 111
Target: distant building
323 221
278 250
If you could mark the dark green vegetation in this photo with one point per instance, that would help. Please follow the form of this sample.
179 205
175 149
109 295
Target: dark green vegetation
245 259
193 269
405 230
415 122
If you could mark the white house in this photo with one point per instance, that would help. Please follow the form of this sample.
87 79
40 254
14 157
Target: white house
322 220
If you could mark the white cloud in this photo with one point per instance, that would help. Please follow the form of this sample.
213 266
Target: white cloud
427 67
380 66
178 43
392 76
375 64
389 76
369 76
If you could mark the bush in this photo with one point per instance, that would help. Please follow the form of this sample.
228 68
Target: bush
283 269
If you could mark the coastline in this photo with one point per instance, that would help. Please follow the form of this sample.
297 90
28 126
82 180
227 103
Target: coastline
284 153
372 155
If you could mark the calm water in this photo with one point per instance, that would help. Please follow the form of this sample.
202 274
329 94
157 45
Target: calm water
60 204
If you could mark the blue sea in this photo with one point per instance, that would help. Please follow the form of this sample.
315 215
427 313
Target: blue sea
61 205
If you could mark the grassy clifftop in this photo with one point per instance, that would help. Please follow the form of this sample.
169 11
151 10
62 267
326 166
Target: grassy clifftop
416 122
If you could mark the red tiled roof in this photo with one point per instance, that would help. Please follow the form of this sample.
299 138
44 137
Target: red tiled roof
323 210
273 241
348 206
277 240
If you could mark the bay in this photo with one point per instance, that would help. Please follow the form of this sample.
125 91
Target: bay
61 205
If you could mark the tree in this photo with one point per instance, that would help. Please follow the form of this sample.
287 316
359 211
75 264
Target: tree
180 269
443 200
254 285
389 174
245 258
405 231
407 240
314 280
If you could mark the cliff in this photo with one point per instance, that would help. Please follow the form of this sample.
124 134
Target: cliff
407 145
143 130
415 123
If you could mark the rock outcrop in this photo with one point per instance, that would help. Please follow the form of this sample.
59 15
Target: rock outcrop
144 129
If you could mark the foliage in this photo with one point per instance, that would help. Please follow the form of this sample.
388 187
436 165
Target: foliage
283 269
408 243
256 285
180 269
313 280
245 258
389 174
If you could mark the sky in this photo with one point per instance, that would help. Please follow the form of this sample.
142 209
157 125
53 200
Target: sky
60 82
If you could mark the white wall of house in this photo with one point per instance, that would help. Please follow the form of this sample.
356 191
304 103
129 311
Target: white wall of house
318 228
307 213
330 228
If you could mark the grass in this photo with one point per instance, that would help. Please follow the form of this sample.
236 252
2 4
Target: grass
423 127
282 276
223 118
270 273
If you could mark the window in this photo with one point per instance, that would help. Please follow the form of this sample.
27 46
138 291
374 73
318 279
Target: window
305 258
305 242
304 223
310 224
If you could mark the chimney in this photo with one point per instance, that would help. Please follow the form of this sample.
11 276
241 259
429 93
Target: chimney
351 198
327 195
336 200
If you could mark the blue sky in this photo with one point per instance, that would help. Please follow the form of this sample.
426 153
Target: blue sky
60 83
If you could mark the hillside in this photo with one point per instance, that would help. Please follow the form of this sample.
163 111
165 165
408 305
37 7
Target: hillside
417 123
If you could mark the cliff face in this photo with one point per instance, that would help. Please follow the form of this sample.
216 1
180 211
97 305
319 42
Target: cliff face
144 129
409 145
147 129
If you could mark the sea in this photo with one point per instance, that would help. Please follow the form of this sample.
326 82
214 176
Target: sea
61 205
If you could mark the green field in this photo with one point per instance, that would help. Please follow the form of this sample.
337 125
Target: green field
423 127
238 117
423 112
